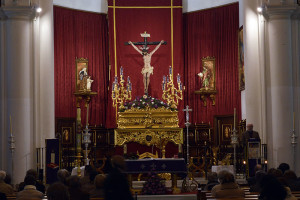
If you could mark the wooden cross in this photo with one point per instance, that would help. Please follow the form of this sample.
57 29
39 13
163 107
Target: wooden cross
187 113
145 35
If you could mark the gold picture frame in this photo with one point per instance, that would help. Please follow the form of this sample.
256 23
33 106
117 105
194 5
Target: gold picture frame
81 70
67 135
226 133
241 59
208 74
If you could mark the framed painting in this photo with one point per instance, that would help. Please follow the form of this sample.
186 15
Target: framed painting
241 59
81 73
226 133
208 74
67 135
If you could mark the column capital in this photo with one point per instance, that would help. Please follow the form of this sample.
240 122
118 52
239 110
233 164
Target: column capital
18 12
273 12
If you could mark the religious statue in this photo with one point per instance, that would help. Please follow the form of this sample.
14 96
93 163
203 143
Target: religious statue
205 75
89 83
147 69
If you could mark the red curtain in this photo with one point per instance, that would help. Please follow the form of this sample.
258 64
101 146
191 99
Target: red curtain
80 34
212 32
130 22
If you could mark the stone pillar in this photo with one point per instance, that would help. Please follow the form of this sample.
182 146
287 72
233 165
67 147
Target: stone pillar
17 88
279 84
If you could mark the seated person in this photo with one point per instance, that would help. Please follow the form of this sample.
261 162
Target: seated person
291 180
98 192
4 187
227 188
258 177
58 191
29 191
212 180
39 186
272 189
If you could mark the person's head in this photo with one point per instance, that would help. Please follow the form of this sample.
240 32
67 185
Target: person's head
7 179
272 189
212 177
118 162
258 167
276 173
62 175
225 177
289 175
73 182
99 181
58 191
283 167
249 127
259 175
2 175
87 170
29 180
33 173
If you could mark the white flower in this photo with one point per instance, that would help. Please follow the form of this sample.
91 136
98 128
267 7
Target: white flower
200 74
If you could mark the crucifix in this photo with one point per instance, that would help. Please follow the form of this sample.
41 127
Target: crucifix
147 69
187 123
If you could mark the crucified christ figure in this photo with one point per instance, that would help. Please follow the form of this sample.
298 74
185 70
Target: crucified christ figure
147 69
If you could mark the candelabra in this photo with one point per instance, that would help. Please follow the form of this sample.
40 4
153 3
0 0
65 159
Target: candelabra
86 141
294 142
234 141
120 93
170 93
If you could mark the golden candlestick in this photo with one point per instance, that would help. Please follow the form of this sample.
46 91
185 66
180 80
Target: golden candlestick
120 93
170 93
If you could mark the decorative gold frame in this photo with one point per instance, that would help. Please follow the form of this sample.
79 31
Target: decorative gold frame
66 135
226 133
241 59
80 64
210 91
210 63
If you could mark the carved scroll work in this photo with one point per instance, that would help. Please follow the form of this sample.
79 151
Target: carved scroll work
153 136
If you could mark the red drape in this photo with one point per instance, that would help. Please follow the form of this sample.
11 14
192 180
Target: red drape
130 22
80 34
212 32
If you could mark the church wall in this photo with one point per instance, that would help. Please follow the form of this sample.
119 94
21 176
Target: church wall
194 5
98 6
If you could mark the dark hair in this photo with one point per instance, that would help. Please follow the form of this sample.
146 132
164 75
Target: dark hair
29 180
283 167
58 191
62 175
73 182
118 162
33 173
272 189
289 175
93 174
225 177
87 170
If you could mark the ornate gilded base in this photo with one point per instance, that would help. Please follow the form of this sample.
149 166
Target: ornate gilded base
153 136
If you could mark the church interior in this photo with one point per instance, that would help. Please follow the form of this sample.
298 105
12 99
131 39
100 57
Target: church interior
194 86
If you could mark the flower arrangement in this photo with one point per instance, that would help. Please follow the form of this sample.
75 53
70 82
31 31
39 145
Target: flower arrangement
144 101
154 185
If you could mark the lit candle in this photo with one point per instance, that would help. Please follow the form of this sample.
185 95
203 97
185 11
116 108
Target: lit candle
180 86
121 71
113 86
164 79
170 70
178 78
128 79
116 79
11 134
234 117
129 86
167 79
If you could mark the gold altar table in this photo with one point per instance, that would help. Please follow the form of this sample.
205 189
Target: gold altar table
149 136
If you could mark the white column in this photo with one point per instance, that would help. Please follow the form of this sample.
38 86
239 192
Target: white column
254 79
18 88
280 84
44 107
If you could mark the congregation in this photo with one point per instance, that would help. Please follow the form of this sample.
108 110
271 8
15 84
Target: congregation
273 184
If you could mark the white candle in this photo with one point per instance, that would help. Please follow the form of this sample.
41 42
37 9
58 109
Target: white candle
11 134
234 117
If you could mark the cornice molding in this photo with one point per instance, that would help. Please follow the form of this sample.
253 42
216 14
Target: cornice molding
19 12
273 12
